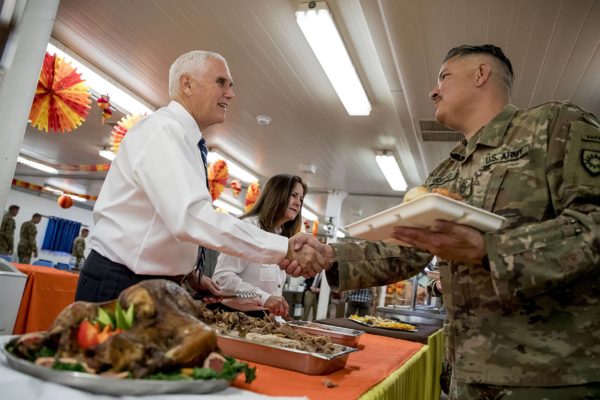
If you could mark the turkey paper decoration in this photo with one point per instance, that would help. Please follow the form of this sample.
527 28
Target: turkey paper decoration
218 174
62 98
251 195
121 129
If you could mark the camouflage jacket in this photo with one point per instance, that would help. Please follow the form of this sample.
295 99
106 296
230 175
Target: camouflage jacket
27 241
78 247
531 317
7 234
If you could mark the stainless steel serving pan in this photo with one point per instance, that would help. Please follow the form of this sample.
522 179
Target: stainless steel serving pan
282 357
344 336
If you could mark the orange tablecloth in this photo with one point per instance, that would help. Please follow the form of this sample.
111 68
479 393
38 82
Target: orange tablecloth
379 357
46 293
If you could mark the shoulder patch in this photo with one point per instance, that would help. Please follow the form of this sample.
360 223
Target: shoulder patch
590 159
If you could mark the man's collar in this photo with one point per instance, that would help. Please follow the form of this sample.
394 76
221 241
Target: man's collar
491 134
185 118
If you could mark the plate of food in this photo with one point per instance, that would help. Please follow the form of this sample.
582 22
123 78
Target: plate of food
148 341
384 323
421 211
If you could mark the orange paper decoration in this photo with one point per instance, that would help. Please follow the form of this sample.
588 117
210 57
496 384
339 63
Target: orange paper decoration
251 196
104 104
65 201
236 187
315 227
218 174
62 99
121 129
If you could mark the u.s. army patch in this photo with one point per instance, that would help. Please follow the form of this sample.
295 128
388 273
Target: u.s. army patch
590 159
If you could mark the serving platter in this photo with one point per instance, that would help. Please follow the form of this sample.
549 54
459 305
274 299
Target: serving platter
113 386
422 213
365 321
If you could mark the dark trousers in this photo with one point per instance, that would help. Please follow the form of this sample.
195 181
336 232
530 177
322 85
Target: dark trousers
103 280
357 308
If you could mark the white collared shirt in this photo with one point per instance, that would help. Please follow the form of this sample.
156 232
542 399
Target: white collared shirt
235 274
154 208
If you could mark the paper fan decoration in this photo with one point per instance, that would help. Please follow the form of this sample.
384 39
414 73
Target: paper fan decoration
62 99
251 195
104 104
236 187
121 129
218 174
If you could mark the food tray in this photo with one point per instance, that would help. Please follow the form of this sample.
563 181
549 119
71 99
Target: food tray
387 327
344 336
282 357
422 213
114 386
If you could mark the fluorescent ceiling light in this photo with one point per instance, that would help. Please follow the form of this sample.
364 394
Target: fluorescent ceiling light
391 170
61 193
36 165
109 155
322 35
340 234
234 169
102 85
309 215
227 207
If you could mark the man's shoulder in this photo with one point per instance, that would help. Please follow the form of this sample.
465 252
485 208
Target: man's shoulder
552 109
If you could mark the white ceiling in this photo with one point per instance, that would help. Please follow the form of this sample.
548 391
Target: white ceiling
396 45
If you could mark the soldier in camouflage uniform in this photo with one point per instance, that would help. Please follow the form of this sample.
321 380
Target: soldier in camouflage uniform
7 231
523 302
79 247
27 243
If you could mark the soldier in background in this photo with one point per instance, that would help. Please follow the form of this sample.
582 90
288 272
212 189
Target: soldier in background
522 303
27 242
79 248
7 231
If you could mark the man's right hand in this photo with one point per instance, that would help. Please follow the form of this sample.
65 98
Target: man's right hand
306 256
277 305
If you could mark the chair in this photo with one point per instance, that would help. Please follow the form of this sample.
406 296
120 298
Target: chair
6 257
63 266
43 263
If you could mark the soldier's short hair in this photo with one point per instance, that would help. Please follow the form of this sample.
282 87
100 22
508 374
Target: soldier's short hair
36 215
14 207
85 230
490 50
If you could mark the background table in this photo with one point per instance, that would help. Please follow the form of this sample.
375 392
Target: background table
47 292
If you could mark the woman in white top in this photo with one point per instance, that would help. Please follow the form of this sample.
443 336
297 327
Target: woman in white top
278 210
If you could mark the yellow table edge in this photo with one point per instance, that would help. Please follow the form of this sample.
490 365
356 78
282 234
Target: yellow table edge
416 379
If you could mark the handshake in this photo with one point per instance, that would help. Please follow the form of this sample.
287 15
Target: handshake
307 256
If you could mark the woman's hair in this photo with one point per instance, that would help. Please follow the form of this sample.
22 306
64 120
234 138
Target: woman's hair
273 203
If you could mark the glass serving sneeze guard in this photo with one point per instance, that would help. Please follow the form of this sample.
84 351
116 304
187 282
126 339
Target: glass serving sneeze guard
410 301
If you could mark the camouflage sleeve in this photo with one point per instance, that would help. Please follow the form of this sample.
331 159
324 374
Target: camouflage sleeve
536 257
78 247
367 264
7 231
30 235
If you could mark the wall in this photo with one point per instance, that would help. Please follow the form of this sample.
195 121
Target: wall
32 203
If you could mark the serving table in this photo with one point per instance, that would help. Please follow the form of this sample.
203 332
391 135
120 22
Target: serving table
47 292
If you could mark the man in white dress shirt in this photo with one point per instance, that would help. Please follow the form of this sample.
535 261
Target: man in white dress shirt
154 209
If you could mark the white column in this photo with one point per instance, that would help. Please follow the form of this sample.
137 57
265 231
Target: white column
19 82
332 213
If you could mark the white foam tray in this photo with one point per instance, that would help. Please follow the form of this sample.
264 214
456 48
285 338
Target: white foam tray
422 213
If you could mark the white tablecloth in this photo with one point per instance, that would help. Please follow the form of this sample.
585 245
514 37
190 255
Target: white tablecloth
19 386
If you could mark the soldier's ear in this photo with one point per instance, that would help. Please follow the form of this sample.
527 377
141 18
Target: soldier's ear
482 74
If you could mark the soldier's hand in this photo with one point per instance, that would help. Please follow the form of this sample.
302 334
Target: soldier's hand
446 240
35 254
